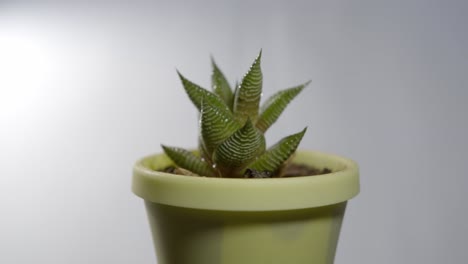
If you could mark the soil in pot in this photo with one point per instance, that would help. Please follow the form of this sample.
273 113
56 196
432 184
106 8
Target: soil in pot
292 170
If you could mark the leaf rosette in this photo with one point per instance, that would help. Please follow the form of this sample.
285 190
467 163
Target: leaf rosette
232 127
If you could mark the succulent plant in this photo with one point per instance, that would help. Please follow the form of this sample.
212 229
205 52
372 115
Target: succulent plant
232 126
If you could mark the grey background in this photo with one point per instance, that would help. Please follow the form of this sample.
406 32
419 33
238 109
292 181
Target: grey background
86 89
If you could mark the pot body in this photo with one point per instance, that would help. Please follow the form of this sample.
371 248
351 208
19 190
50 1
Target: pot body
201 220
194 236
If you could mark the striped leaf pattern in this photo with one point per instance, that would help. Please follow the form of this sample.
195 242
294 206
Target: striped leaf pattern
215 126
197 94
239 149
275 105
236 87
248 94
275 156
204 154
189 161
220 85
232 127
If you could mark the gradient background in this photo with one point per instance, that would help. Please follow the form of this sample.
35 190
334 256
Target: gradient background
86 89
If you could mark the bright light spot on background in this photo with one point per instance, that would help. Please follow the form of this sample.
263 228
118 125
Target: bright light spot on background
27 63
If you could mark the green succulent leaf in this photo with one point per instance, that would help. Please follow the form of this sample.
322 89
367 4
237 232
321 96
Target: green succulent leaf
275 156
275 105
248 94
220 85
203 151
189 161
236 87
232 126
239 149
215 126
197 94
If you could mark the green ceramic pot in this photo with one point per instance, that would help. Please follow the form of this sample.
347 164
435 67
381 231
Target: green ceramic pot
201 220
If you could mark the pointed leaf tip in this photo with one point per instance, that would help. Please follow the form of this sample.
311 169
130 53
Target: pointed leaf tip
248 94
275 156
220 85
187 160
272 109
197 94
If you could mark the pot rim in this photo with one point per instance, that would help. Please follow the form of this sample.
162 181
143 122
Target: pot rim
228 194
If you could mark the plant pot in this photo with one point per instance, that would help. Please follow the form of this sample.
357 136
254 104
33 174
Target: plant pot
201 220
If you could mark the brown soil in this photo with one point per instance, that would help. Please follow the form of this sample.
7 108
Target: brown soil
297 170
170 169
292 170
